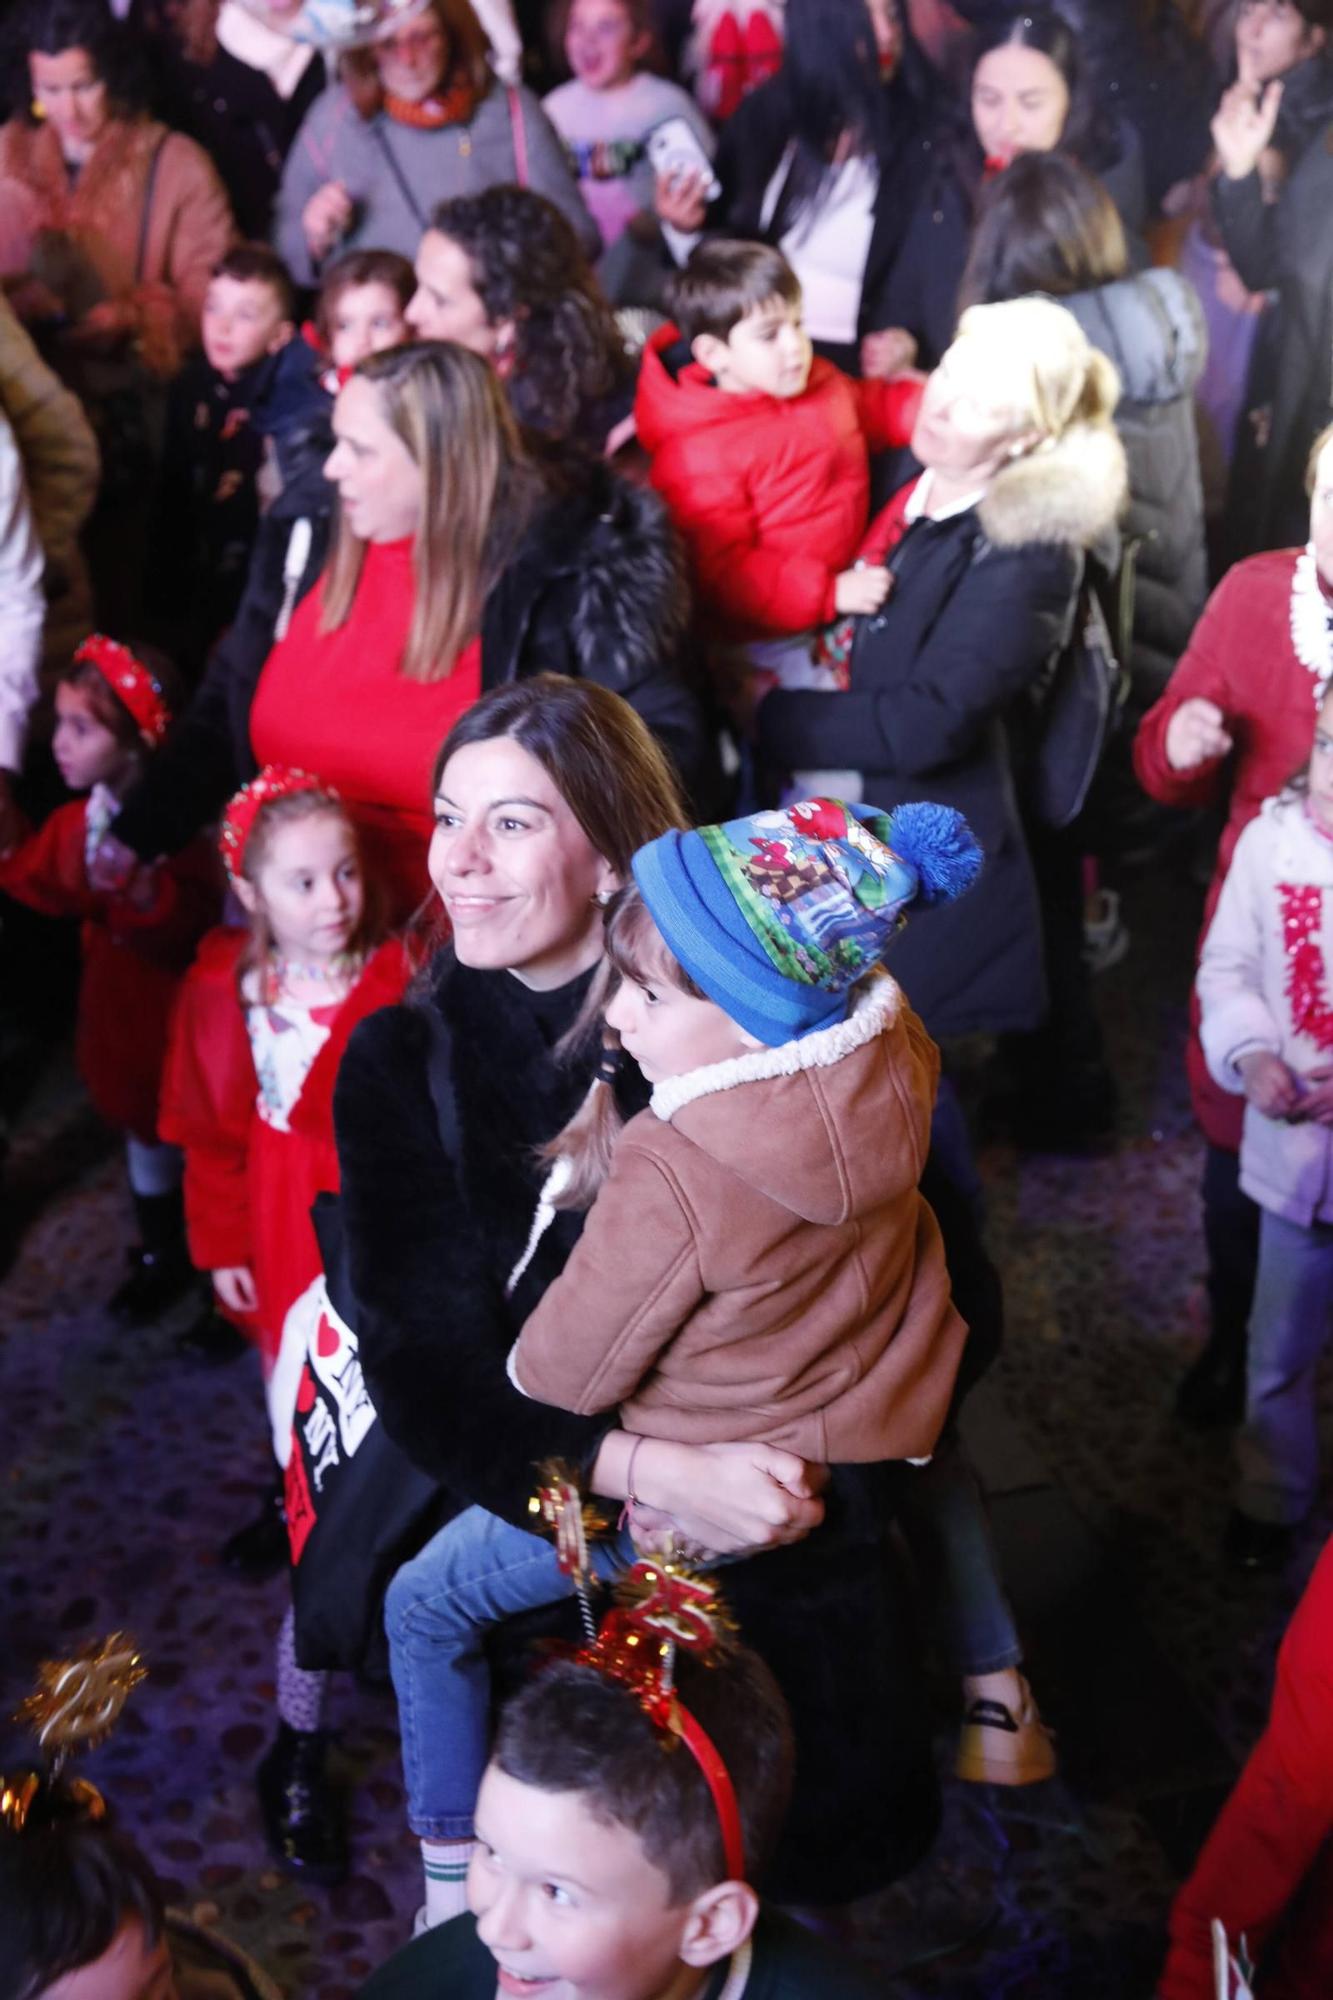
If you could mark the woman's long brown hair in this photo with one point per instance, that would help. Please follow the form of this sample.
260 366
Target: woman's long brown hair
479 491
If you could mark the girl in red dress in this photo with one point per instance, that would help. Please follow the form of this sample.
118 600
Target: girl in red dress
113 708
258 1034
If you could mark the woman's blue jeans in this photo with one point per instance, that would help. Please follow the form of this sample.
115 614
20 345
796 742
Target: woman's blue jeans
440 1606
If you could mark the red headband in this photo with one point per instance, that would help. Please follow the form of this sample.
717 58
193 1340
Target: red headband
131 683
275 781
661 1607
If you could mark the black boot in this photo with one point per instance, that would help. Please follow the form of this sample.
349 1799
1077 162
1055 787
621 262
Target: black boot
259 1549
302 1816
1212 1392
160 1268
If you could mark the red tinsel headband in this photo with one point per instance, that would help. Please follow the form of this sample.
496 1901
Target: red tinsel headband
131 683
661 1607
275 781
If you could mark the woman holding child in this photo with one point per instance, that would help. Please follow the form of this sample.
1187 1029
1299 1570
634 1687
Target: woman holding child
1023 476
544 791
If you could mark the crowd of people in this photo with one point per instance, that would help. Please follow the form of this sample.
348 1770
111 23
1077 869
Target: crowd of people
574 584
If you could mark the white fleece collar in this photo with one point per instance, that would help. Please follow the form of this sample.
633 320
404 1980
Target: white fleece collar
875 1006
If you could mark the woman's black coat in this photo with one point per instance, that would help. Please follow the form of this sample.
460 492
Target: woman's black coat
595 589
1284 246
429 1262
750 152
939 681
920 291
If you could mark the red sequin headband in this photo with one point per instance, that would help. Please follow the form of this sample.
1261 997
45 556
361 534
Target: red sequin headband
660 1608
131 683
275 781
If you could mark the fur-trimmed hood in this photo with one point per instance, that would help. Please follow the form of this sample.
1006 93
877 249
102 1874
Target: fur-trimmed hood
1071 490
812 1136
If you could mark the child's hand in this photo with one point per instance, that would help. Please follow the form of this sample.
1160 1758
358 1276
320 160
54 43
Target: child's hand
1196 733
858 591
112 866
1270 1086
235 1286
887 353
326 216
1316 1106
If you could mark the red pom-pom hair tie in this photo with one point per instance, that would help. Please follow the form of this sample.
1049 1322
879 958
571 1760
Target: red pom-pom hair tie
130 681
661 1607
275 781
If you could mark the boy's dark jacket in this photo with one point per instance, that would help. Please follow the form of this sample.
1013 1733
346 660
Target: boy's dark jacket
429 1260
596 588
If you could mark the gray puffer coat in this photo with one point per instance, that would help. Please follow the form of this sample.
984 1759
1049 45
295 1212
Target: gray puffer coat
1152 326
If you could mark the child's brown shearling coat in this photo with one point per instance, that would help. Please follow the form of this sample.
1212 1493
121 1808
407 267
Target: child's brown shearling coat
760 1263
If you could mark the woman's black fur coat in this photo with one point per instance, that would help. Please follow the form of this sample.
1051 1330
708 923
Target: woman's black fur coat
429 1261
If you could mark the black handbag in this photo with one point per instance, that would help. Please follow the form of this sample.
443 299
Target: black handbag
357 1507
1078 701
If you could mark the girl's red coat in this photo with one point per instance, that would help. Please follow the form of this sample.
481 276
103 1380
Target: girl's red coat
133 959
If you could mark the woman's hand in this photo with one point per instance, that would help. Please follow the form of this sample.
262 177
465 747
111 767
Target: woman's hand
680 200
1196 734
1243 125
1272 1088
887 353
326 216
235 1286
730 1498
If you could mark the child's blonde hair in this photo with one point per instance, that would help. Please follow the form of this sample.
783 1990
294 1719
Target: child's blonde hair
255 966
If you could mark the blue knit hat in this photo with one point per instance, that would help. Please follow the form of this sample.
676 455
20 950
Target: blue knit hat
778 915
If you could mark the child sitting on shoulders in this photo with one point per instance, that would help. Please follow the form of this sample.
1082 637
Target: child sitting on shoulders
361 310
758 1262
114 706
613 1862
260 1029
762 454
611 106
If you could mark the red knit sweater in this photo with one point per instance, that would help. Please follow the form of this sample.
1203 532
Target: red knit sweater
1241 657
336 704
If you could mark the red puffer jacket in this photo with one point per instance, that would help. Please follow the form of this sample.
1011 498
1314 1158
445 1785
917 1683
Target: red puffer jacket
770 494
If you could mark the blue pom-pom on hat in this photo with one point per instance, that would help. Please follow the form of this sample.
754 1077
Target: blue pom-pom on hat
778 915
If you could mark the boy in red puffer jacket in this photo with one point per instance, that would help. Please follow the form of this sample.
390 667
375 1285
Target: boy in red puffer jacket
762 454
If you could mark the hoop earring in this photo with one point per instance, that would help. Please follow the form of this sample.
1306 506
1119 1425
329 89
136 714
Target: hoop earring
38 110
